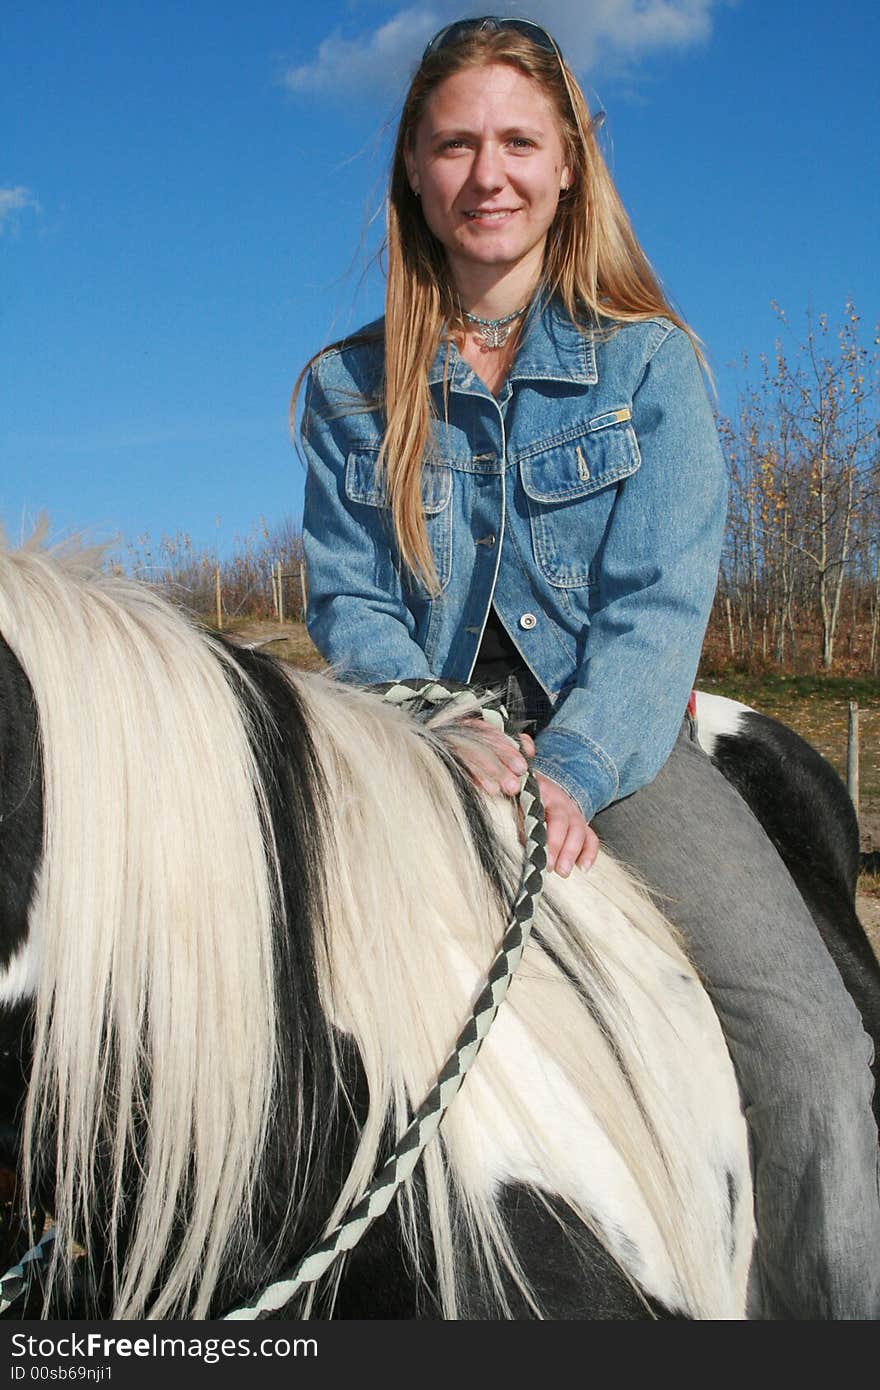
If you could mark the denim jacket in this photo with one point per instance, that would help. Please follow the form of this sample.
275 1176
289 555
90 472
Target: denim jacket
586 503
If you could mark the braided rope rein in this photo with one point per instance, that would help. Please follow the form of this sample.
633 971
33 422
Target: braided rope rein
427 1119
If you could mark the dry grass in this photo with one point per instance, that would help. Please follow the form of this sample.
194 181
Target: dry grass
288 641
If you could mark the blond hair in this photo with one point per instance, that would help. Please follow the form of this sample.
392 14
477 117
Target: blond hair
593 263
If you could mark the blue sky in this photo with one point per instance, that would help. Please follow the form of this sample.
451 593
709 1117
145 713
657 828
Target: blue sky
191 196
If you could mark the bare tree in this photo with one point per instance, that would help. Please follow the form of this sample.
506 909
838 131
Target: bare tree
803 464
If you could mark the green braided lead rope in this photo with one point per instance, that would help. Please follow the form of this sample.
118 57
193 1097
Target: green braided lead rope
378 1196
419 696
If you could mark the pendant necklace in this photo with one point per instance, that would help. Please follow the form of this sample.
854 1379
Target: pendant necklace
494 333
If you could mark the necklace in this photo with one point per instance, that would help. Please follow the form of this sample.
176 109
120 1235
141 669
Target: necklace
494 333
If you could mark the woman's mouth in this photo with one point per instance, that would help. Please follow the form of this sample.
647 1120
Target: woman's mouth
491 216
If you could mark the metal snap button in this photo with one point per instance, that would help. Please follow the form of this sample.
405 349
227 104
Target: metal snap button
488 541
528 621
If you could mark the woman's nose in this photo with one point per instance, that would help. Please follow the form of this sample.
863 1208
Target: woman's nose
487 170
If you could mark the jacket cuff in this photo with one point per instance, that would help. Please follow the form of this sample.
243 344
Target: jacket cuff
579 766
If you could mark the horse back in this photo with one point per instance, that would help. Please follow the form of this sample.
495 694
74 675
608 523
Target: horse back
806 812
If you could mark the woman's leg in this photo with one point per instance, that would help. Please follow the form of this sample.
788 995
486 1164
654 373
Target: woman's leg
796 1040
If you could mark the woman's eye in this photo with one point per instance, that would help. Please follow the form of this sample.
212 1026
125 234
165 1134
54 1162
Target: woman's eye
453 145
520 142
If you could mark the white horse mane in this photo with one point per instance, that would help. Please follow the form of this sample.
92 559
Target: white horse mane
151 945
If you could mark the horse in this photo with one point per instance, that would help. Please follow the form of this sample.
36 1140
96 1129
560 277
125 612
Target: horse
244 911
808 815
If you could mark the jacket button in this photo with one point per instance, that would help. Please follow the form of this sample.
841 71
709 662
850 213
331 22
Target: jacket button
528 621
488 541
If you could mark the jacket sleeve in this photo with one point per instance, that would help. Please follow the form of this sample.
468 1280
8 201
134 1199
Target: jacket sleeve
615 727
356 613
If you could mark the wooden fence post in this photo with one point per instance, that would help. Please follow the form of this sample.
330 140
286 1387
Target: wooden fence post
217 599
280 596
852 755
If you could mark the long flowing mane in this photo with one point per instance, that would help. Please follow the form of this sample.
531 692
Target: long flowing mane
265 904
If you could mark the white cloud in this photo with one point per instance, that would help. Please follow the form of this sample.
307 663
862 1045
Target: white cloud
616 32
371 62
12 201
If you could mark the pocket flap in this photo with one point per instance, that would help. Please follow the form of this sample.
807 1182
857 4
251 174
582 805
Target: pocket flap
364 484
604 452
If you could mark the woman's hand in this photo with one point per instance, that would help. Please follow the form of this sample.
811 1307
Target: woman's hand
494 760
570 840
496 764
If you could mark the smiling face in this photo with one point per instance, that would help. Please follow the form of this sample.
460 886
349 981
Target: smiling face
487 160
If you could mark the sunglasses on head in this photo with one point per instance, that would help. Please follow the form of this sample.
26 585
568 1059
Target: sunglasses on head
491 24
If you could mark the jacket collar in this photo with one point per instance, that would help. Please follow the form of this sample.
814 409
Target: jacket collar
552 349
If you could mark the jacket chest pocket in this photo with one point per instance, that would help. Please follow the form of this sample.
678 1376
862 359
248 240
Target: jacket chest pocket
571 488
366 486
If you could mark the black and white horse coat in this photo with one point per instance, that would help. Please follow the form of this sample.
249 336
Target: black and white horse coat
807 813
244 911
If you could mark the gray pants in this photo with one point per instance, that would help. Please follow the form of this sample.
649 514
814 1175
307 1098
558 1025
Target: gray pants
801 1056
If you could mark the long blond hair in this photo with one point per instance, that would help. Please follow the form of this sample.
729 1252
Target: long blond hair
593 263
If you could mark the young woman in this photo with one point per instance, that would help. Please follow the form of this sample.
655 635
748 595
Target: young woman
515 477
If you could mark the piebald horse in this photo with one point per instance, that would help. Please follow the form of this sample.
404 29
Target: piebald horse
244 912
